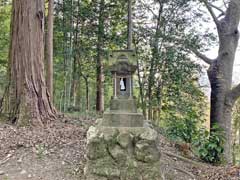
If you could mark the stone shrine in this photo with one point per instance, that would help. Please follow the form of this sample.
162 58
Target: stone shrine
122 146
123 110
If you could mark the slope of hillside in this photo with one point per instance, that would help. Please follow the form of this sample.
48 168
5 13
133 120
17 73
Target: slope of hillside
58 152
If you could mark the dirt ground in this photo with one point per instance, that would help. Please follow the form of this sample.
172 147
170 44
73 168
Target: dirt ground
58 153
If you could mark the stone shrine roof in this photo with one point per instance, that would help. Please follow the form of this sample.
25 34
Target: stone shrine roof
117 56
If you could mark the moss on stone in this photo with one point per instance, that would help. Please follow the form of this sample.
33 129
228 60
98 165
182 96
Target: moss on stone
96 149
122 153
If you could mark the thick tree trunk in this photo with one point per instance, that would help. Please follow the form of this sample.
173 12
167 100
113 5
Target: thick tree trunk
221 109
220 74
49 49
100 75
29 100
223 96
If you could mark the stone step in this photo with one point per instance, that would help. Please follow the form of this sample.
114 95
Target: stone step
122 119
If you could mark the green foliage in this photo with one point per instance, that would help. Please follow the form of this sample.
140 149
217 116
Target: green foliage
236 132
75 49
167 75
183 112
182 100
5 14
182 129
209 146
5 178
41 151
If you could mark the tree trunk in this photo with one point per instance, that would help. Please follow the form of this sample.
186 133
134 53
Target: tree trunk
87 92
155 54
29 101
74 84
75 78
100 75
141 88
70 54
220 71
64 25
129 44
239 136
49 49
220 112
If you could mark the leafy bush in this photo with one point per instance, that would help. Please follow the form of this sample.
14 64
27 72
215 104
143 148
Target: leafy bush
209 146
182 130
183 111
185 125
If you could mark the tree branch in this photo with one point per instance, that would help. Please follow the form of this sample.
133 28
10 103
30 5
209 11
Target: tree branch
220 15
225 4
153 13
217 8
210 10
148 8
235 93
203 57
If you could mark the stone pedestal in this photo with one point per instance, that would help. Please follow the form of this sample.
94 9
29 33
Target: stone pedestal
126 105
122 153
122 113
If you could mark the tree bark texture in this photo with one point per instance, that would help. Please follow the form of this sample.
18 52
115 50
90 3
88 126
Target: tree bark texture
49 48
100 75
87 92
129 44
65 56
223 96
76 56
28 100
74 84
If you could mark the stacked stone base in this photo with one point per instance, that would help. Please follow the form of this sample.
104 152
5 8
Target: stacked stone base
122 153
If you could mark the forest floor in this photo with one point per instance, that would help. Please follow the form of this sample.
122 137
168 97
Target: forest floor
58 153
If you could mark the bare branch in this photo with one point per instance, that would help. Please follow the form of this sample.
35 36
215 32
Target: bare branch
235 93
190 49
220 15
153 13
225 3
203 57
210 10
217 8
146 5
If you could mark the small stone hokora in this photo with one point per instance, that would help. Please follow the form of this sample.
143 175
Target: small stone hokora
122 85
